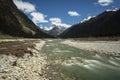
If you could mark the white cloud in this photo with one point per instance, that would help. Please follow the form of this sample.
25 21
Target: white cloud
46 28
62 25
58 22
105 2
24 6
38 17
55 20
73 13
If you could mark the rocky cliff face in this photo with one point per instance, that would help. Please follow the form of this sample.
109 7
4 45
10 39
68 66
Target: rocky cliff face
104 25
16 24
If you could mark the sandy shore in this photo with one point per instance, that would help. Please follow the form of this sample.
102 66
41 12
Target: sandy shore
29 65
106 47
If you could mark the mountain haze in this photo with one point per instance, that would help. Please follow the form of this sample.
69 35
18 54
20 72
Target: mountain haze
15 23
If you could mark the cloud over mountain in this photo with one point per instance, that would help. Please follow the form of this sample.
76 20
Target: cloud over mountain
25 6
58 21
38 17
73 13
105 2
55 20
28 8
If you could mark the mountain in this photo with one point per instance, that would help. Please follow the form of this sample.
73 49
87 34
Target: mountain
103 25
16 24
54 30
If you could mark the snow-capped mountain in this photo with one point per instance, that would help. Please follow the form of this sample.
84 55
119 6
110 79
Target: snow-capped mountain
87 19
55 29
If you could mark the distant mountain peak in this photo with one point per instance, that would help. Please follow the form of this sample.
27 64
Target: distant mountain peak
55 29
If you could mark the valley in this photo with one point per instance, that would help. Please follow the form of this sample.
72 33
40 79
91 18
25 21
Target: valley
42 40
57 59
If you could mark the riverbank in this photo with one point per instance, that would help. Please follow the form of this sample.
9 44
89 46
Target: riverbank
102 47
22 60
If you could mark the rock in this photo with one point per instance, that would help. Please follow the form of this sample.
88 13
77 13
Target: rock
28 67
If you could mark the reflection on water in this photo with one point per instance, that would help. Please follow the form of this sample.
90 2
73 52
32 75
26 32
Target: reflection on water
81 65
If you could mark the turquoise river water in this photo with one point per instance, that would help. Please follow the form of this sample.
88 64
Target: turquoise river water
69 63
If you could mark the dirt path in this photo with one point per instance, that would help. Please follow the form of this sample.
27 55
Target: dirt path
106 47
22 60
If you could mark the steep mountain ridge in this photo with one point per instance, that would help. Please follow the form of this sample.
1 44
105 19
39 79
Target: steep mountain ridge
15 23
104 25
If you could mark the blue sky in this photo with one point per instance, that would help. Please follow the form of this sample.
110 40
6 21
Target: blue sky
63 12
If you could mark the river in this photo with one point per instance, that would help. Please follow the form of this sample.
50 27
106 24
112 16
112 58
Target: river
70 63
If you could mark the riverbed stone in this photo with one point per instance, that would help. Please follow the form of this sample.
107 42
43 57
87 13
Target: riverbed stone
27 67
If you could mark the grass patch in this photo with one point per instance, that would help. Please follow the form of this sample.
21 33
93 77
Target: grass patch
16 48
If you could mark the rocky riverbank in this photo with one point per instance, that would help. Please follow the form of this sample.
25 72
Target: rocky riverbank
22 60
102 47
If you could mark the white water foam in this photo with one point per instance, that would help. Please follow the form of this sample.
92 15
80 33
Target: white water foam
98 57
114 63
